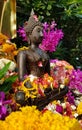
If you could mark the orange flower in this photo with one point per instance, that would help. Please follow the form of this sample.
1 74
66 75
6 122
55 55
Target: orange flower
8 47
3 38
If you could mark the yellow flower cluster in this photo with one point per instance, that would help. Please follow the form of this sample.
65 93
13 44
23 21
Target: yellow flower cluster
38 85
29 92
79 108
29 118
3 38
23 48
7 49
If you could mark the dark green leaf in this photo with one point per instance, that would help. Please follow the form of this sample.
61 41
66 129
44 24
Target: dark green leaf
7 84
49 7
4 70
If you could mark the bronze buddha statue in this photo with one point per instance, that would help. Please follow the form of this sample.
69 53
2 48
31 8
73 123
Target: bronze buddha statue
33 61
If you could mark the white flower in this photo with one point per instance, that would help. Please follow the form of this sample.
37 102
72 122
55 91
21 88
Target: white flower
62 86
77 102
63 105
32 77
73 107
75 115
4 61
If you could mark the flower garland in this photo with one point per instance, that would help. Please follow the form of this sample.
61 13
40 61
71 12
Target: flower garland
36 86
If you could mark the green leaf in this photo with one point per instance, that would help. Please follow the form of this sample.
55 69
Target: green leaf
4 70
47 13
11 78
7 84
78 15
49 7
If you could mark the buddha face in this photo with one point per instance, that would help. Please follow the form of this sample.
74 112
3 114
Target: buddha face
36 35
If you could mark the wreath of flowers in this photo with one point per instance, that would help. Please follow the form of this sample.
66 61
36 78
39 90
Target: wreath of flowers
38 85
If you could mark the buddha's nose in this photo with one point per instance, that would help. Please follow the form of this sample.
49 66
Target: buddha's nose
41 34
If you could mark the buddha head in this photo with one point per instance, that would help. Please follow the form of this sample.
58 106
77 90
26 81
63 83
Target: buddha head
34 29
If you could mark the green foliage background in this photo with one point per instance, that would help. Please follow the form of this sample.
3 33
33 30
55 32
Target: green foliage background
68 16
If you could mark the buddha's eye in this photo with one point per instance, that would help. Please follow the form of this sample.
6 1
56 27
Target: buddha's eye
38 30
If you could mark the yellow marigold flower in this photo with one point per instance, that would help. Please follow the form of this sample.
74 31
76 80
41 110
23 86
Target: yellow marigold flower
15 52
29 118
8 48
66 81
23 48
79 108
69 67
3 38
29 92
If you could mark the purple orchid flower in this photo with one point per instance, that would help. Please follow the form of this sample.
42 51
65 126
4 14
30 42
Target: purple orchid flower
76 80
52 37
59 108
53 25
22 33
3 107
70 97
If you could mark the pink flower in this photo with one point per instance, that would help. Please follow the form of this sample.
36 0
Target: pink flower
51 38
3 102
22 33
59 108
76 80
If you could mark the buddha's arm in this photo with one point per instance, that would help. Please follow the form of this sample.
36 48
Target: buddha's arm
21 61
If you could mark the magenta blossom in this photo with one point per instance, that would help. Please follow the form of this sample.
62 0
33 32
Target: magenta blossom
22 33
70 97
59 108
3 105
51 37
75 80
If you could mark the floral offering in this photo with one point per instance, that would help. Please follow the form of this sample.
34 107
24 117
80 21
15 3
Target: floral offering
32 119
61 70
36 86
60 113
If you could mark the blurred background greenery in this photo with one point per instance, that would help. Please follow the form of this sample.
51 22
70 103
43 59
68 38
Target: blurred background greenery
68 16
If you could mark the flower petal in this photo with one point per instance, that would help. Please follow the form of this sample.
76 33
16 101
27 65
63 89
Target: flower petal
2 95
4 110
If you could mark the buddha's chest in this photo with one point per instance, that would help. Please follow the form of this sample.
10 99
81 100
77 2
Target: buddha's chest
37 57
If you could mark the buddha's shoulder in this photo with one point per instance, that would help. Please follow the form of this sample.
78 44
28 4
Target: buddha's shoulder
45 54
